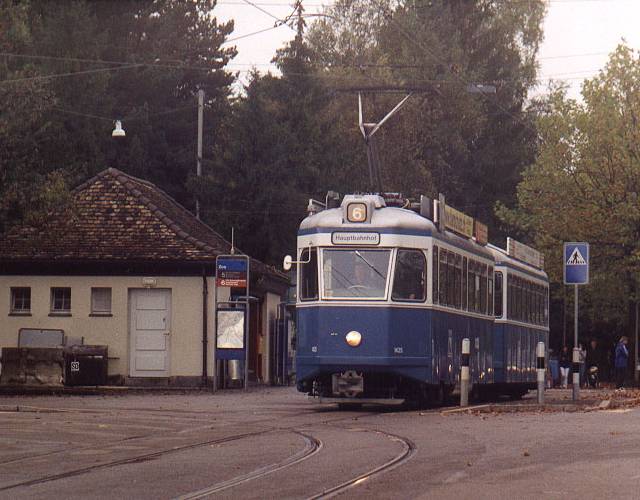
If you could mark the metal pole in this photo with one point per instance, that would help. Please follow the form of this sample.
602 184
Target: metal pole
464 373
540 365
576 350
199 160
636 373
248 329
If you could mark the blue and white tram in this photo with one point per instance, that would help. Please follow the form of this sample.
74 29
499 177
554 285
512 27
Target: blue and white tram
384 301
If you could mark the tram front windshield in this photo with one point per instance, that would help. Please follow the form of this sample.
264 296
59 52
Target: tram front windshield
355 273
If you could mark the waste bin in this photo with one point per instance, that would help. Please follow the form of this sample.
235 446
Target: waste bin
86 365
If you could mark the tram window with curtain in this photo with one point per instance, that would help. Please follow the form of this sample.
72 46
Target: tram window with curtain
410 278
498 295
309 274
434 260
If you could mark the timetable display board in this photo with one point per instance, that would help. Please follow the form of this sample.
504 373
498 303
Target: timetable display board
232 271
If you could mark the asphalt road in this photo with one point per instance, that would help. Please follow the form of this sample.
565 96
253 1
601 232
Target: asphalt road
272 443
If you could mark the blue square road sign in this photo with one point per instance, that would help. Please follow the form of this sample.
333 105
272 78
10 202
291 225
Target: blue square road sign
576 263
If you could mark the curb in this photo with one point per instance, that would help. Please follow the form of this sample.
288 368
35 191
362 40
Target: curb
94 390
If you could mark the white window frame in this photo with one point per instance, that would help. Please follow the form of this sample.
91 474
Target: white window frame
12 300
53 309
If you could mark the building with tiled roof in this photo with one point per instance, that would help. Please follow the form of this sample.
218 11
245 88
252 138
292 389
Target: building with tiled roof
103 266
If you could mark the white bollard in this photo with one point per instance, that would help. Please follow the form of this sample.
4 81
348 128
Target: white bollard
464 373
541 369
576 373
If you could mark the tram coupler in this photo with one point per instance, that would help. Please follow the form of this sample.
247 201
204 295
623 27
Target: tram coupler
349 383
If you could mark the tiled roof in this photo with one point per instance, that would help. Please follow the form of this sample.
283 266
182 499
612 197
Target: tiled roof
117 217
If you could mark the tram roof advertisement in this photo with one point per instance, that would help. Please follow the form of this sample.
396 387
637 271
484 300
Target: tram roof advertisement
459 222
524 253
480 232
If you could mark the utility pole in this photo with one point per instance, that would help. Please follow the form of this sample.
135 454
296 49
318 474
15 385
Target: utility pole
199 160
636 373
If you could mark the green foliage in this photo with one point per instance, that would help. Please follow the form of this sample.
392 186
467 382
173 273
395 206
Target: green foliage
584 185
157 55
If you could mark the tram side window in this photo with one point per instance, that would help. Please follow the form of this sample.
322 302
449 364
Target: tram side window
483 289
498 295
444 283
309 274
490 292
454 280
435 274
471 292
546 306
410 279
465 281
538 305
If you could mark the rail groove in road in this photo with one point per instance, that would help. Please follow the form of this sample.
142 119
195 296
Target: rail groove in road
313 446
409 450
132 460
155 454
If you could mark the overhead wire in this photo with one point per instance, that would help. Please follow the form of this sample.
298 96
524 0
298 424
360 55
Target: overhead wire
64 75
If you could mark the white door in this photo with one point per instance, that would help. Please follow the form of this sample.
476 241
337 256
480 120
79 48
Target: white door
150 332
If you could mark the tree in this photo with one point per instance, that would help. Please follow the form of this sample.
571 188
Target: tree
139 61
469 146
282 149
584 187
27 188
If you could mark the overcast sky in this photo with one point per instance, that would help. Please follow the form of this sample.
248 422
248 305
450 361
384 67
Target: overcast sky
579 34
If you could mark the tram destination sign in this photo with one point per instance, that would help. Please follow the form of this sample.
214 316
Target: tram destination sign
232 271
576 263
458 222
355 238
524 253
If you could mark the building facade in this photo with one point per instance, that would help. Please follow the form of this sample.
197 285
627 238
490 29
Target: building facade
127 267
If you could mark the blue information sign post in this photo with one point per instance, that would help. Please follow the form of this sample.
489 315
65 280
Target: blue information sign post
232 317
576 272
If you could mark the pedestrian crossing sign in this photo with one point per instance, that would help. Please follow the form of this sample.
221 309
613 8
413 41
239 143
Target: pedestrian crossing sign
576 263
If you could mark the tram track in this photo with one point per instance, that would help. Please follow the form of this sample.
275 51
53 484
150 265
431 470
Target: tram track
408 451
153 455
132 460
313 446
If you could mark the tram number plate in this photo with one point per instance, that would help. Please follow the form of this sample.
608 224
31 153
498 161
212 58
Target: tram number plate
75 366
357 212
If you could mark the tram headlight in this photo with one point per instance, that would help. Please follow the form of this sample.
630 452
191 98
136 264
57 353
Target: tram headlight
353 338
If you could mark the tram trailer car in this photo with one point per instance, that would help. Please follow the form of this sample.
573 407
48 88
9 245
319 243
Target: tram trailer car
521 321
384 301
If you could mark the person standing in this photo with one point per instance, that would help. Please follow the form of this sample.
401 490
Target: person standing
565 366
582 359
620 362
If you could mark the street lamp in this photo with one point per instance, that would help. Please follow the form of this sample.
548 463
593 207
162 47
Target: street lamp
118 131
